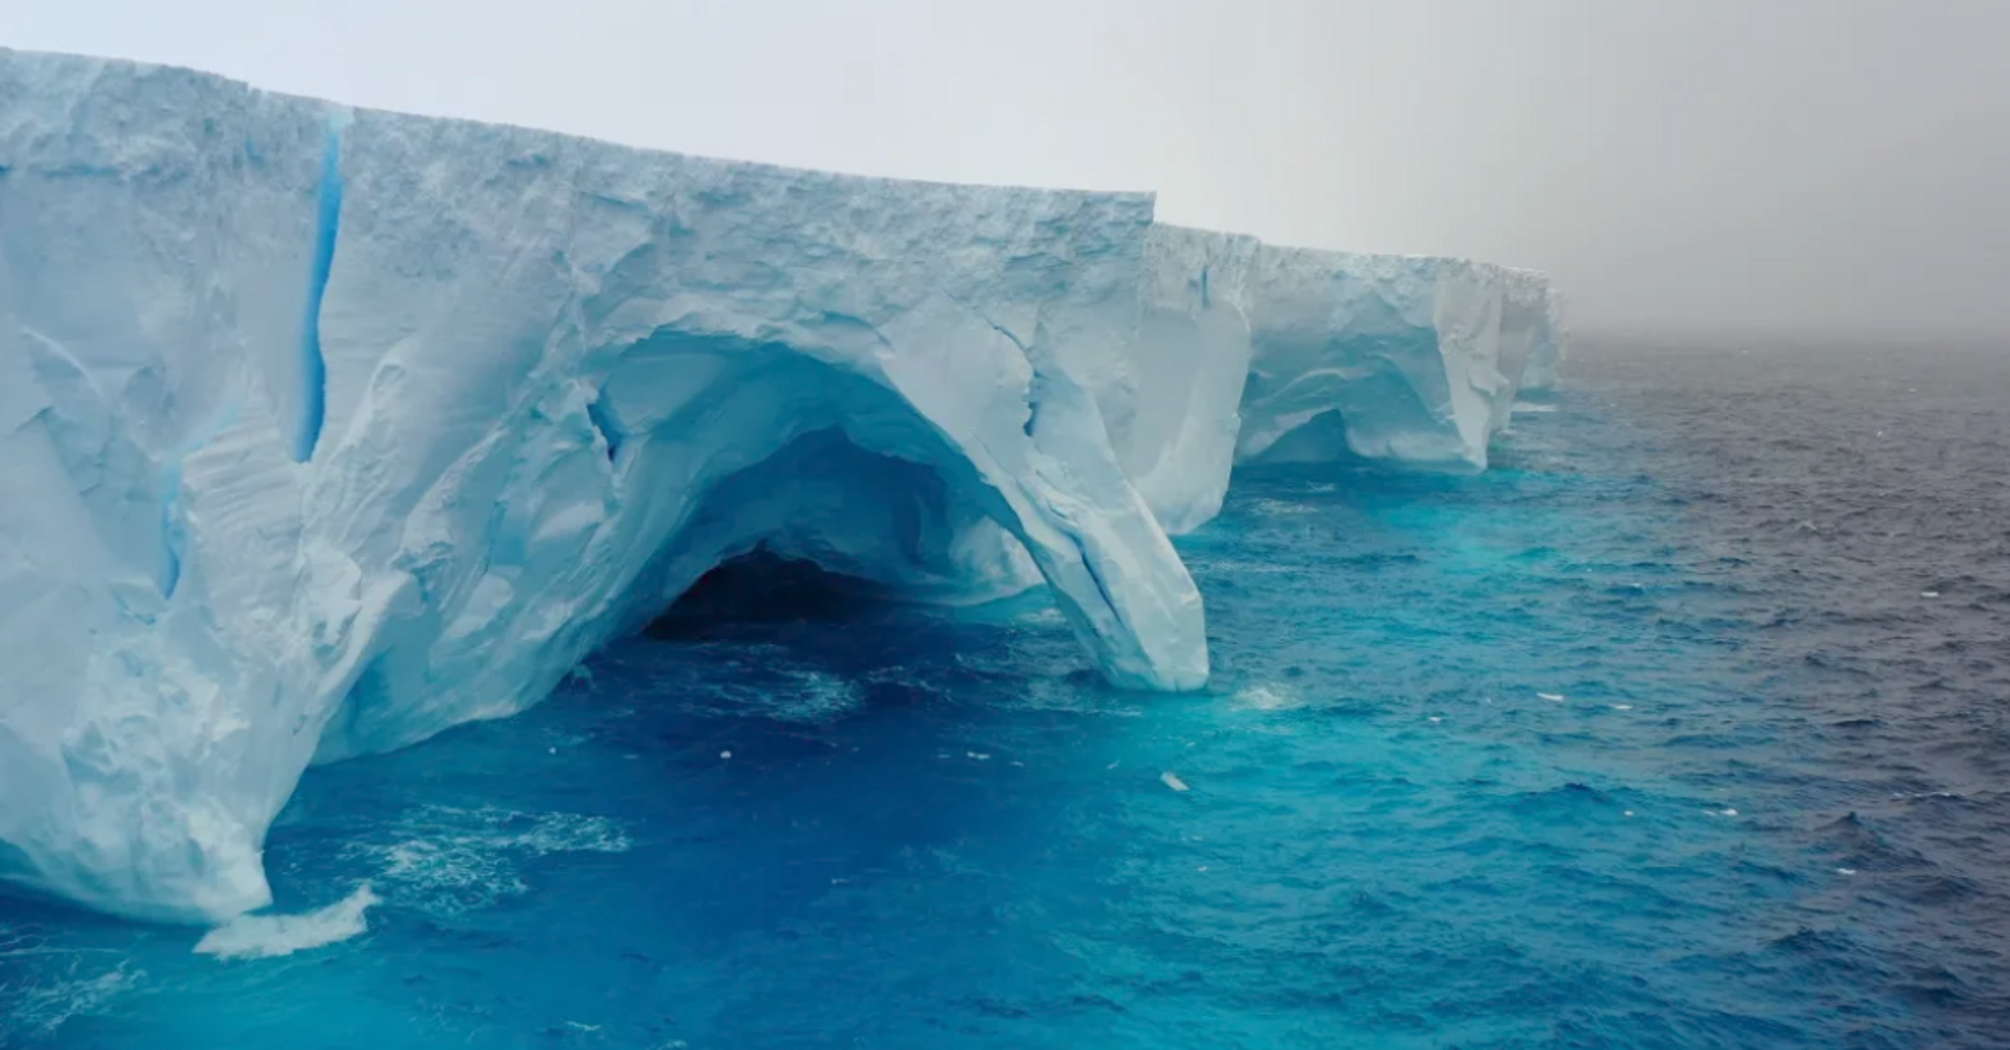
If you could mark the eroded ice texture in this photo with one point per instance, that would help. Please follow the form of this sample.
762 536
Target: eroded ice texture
1252 352
1387 357
323 430
1553 348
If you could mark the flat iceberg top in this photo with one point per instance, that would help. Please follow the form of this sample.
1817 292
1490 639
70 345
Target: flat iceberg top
324 429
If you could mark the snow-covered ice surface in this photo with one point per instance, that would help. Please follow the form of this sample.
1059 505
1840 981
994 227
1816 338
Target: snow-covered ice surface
323 430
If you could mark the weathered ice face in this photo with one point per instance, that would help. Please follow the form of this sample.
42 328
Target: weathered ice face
344 427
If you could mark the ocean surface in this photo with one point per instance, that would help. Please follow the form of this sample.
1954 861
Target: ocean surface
1687 725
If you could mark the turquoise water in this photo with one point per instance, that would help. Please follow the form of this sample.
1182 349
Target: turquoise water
1498 761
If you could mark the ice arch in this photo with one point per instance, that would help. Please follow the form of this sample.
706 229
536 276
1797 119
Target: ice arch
1251 352
585 518
322 430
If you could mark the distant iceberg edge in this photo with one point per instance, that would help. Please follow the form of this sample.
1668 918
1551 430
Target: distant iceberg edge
325 429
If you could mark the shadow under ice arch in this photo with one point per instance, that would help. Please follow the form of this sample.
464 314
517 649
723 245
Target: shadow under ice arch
697 449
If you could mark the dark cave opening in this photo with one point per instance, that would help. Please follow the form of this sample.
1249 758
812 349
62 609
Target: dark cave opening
760 591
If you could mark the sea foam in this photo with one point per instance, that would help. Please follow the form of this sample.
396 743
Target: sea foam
267 936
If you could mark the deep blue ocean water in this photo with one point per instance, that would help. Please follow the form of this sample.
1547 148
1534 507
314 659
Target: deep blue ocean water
1684 726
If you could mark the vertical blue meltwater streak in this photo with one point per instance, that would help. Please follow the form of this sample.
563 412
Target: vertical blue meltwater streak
314 367
174 535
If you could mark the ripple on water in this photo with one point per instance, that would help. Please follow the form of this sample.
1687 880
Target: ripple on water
1763 809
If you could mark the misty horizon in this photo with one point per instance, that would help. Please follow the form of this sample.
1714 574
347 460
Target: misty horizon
1799 169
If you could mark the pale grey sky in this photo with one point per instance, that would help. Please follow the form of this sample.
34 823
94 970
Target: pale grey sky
1698 166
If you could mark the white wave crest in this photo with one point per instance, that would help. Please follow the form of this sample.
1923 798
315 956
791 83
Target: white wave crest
1268 696
267 936
824 697
803 696
1277 508
446 860
43 987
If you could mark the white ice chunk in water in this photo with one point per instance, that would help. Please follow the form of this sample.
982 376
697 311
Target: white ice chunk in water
265 936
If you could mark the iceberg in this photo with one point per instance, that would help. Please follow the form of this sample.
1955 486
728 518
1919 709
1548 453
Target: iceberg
1552 344
1389 358
325 429
1249 352
1187 368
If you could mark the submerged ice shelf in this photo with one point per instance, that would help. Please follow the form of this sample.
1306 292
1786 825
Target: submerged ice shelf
323 430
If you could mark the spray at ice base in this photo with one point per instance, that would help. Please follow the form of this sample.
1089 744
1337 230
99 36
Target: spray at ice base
324 430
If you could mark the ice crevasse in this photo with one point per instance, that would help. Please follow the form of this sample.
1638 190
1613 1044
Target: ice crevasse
323 430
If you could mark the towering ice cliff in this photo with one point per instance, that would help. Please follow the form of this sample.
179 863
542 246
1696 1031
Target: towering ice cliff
1552 347
322 430
1398 357
1247 351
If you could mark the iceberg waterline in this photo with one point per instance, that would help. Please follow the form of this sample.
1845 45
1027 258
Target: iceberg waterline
323 430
